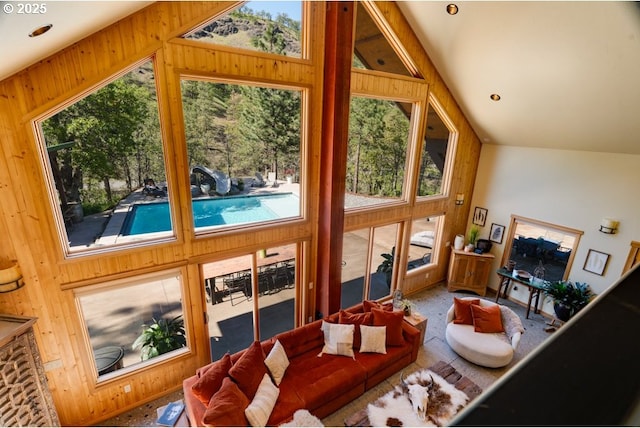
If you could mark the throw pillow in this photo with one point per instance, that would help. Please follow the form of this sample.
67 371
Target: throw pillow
393 321
367 305
277 362
212 379
260 409
338 339
226 407
487 319
249 370
373 339
356 319
462 310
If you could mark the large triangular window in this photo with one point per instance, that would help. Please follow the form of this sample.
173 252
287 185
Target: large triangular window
374 51
265 26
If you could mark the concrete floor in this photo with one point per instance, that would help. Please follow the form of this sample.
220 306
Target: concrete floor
433 304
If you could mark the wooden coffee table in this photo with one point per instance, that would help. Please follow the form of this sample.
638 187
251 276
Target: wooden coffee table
451 375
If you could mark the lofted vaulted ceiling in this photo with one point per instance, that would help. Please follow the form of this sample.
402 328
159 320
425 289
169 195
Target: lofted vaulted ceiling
567 72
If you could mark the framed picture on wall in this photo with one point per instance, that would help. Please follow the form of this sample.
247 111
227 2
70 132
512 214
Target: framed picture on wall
596 262
497 233
480 216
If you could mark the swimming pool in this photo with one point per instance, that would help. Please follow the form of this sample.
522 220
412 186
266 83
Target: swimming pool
155 217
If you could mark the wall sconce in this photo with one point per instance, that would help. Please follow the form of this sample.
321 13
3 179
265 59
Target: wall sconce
609 226
460 199
10 279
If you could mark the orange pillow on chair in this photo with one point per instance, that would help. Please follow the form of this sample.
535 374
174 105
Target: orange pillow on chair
462 310
487 319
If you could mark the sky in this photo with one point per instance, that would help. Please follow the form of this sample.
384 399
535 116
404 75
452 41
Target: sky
293 9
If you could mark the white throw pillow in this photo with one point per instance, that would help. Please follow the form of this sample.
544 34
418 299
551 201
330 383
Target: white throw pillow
263 402
338 339
277 362
373 339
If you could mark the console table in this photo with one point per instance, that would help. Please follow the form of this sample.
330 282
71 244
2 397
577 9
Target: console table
534 289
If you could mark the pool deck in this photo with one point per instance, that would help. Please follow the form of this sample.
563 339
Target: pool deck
103 229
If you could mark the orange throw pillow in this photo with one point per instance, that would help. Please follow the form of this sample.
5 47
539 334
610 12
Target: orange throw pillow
393 321
487 319
358 320
462 310
211 380
226 408
249 370
367 305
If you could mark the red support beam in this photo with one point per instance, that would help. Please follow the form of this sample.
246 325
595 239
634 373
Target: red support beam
333 156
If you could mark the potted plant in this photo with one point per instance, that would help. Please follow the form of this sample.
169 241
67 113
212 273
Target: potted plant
160 337
407 306
386 266
473 238
568 298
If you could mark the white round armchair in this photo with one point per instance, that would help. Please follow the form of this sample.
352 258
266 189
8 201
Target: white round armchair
485 349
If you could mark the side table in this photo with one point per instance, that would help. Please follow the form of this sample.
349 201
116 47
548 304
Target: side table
418 321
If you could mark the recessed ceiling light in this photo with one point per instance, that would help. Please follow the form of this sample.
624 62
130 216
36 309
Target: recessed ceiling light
495 97
40 30
452 9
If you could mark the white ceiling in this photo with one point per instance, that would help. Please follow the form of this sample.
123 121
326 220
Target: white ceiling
568 72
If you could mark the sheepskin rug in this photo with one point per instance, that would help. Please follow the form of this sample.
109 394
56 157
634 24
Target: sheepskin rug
395 410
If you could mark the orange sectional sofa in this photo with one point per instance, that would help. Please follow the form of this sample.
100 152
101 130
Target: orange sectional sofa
319 384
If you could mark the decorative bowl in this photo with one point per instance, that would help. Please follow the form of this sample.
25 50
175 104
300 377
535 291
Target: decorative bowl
523 274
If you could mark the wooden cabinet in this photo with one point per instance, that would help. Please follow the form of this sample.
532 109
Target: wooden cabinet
469 271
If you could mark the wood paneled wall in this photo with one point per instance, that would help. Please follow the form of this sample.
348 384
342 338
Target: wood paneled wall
28 232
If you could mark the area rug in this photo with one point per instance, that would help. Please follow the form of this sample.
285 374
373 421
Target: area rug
454 391
394 409
302 418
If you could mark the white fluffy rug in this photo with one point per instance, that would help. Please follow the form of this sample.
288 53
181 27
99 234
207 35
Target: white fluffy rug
394 408
302 418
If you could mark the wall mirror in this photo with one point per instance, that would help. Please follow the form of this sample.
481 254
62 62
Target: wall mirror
535 244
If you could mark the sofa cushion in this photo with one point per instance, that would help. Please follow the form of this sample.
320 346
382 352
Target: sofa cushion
367 305
226 407
338 339
302 339
356 319
261 406
373 339
393 321
318 380
249 370
487 319
277 362
462 310
211 380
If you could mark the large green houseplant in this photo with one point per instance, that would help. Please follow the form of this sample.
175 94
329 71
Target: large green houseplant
162 336
568 298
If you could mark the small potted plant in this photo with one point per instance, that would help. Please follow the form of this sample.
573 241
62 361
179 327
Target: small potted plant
407 306
568 298
473 238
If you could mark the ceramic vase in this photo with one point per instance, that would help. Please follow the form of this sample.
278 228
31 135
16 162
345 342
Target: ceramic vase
458 242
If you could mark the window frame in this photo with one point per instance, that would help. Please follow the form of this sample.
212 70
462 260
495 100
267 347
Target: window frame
68 252
452 146
305 97
111 285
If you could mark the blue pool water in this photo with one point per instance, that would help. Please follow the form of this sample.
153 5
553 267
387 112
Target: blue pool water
155 217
